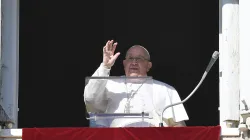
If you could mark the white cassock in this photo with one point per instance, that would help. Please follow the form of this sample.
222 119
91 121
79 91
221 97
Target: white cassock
114 96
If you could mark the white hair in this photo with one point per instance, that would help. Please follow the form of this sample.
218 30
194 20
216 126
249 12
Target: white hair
147 53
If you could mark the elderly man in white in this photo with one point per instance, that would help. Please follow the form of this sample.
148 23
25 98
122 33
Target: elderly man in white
99 95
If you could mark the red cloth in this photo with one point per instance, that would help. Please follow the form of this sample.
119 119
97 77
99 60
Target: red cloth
149 133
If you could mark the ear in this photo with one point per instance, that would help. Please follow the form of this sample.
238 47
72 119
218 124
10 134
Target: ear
124 63
149 66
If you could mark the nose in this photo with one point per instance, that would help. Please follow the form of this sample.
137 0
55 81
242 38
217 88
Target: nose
134 63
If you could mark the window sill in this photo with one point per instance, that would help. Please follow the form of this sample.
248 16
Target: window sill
17 133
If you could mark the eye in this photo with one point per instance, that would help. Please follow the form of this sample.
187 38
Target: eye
131 58
139 59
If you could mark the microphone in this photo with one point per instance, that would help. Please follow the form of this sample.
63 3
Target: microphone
215 56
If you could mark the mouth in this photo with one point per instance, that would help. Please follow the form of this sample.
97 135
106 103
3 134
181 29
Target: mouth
134 69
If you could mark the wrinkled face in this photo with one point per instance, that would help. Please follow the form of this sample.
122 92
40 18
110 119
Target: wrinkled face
136 62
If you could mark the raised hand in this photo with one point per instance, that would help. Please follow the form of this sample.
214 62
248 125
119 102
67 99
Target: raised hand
109 55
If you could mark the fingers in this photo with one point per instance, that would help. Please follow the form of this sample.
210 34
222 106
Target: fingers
115 56
110 46
114 47
106 46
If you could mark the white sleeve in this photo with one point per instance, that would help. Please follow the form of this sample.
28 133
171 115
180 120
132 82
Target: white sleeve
177 112
95 97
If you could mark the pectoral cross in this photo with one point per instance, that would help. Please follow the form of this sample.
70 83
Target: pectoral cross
127 107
